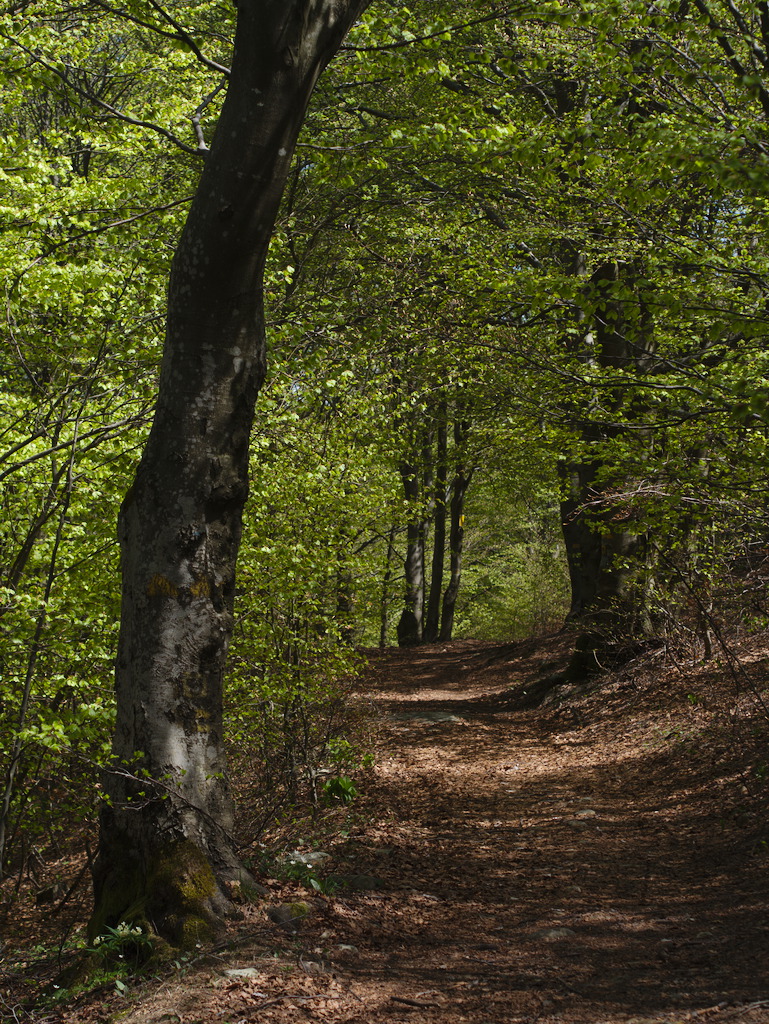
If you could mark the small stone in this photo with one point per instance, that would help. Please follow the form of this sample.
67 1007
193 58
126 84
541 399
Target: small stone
243 972
554 934
577 824
288 916
347 949
307 860
312 967
586 814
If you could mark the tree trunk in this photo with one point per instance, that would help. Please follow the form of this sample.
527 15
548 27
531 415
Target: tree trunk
582 541
607 599
428 475
410 622
385 598
165 849
432 622
605 557
459 487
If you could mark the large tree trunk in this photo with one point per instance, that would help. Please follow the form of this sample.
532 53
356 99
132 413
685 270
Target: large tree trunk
604 559
384 601
165 849
456 543
606 556
581 539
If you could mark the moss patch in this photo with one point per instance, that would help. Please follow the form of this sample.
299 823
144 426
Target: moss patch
181 886
183 871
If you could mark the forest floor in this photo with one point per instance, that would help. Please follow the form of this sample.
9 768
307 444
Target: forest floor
597 859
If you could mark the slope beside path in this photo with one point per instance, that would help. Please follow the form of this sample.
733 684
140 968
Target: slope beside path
579 862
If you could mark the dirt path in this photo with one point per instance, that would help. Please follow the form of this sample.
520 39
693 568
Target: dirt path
546 869
571 864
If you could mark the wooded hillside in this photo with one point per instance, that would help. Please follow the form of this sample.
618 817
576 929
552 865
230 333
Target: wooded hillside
498 275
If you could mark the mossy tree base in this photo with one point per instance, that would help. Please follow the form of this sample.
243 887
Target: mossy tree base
171 891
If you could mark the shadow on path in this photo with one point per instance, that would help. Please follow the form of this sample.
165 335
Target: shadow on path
535 870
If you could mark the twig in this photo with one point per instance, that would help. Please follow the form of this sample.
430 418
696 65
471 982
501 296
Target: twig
733 664
12 1010
301 999
62 74
354 995
75 884
413 1002
102 228
745 1007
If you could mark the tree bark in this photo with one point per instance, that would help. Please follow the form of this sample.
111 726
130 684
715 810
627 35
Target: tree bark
384 601
459 485
165 849
410 623
604 557
432 622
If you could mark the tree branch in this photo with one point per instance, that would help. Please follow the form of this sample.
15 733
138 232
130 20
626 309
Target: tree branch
61 73
96 231
179 35
400 43
734 62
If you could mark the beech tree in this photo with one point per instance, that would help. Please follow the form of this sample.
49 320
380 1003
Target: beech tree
165 852
433 196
